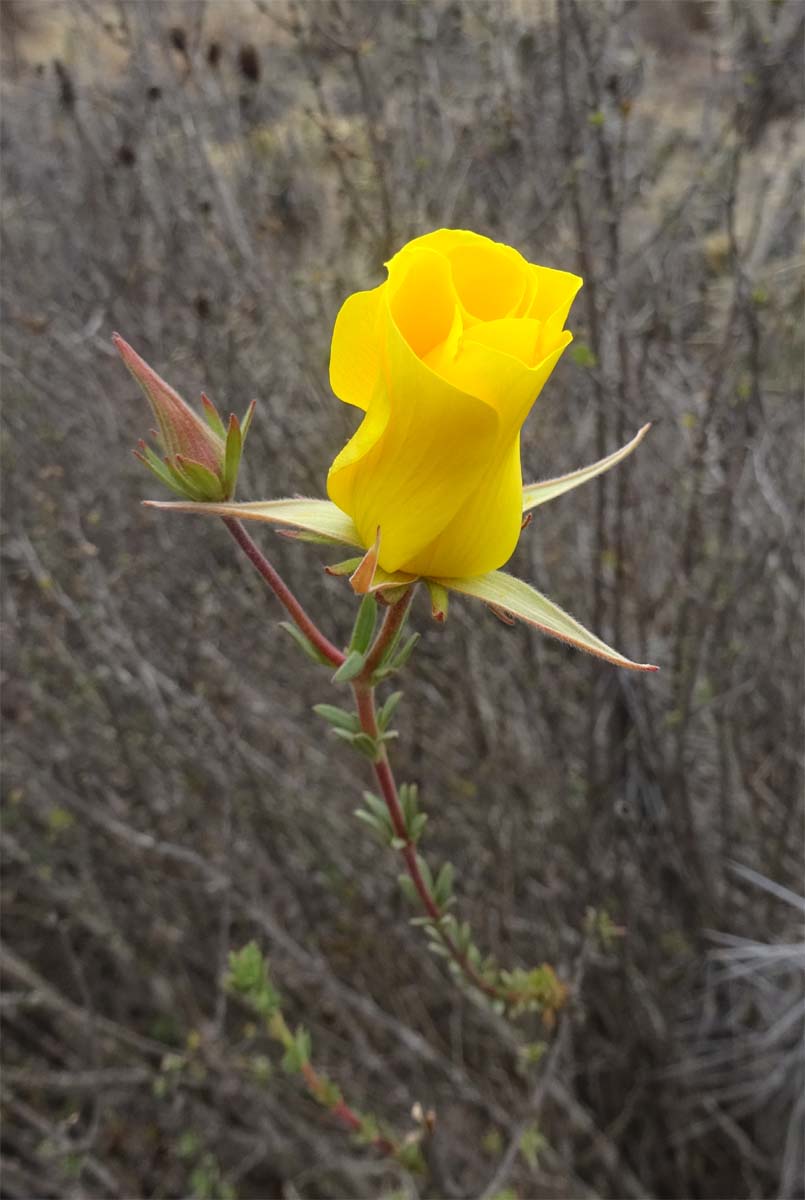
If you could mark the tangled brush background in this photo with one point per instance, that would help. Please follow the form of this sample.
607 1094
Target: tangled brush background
213 179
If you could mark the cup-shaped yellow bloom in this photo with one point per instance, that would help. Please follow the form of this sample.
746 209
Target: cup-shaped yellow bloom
446 359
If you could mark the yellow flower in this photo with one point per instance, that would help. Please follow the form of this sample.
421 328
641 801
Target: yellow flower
446 359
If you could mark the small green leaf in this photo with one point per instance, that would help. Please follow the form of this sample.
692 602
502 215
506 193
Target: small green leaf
304 644
298 1053
402 657
398 843
377 806
387 711
532 1144
443 887
425 872
366 745
364 625
378 825
416 826
408 888
352 666
339 717
409 799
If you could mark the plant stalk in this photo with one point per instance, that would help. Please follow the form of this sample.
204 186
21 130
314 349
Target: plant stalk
283 593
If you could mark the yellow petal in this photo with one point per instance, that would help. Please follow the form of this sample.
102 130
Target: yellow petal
423 302
421 451
516 336
498 378
490 279
355 357
553 295
485 531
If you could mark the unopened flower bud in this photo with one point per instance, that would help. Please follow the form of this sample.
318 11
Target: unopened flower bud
200 456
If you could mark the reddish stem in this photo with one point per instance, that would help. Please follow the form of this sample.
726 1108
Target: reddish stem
365 700
283 593
342 1111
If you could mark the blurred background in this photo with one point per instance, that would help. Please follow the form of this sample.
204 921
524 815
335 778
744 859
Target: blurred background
212 179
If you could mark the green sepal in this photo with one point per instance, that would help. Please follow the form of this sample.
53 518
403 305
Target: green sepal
438 600
364 626
200 477
304 644
387 711
338 717
212 416
347 566
245 424
518 599
352 666
232 453
183 481
146 456
549 489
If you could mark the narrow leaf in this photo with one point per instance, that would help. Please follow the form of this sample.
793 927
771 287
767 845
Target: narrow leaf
377 806
338 717
316 516
443 887
304 644
539 493
408 888
408 649
387 711
377 825
518 598
366 745
352 665
364 625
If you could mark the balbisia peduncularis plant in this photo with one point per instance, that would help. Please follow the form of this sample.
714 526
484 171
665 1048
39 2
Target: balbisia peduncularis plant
445 360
